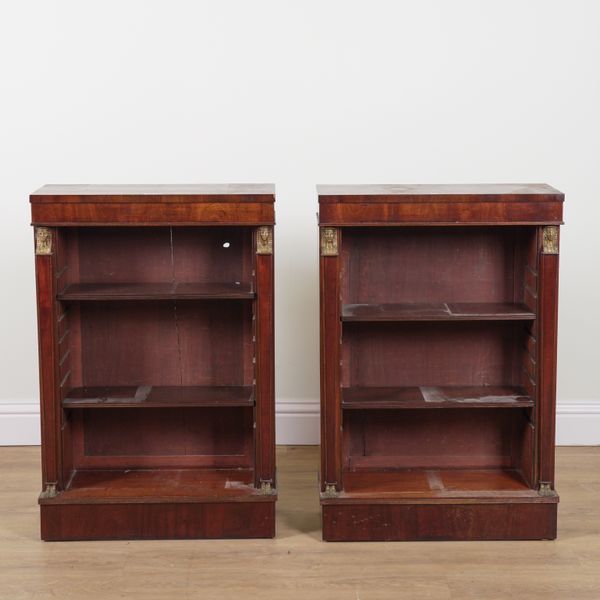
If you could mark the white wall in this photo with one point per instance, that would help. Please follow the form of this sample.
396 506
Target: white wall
297 93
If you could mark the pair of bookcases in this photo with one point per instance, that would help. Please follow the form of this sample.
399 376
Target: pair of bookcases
438 353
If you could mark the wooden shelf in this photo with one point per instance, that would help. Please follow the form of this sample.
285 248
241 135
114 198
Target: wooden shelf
158 485
158 396
492 311
440 484
157 291
428 397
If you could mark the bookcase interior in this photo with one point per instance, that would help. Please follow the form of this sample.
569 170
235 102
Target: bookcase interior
436 265
156 354
434 320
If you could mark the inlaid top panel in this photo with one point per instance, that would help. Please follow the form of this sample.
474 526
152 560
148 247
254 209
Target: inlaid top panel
227 192
505 192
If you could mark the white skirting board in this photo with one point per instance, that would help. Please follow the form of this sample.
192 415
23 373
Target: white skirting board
297 423
19 423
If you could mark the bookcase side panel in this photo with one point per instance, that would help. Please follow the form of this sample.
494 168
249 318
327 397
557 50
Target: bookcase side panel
547 352
329 269
48 315
265 359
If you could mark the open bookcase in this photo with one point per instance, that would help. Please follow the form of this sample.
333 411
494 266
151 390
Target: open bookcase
155 308
438 341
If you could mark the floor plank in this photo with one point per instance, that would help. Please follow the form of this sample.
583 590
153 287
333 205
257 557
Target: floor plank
298 564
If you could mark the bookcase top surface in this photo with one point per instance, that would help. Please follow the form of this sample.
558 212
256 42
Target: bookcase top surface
245 204
239 192
504 192
470 204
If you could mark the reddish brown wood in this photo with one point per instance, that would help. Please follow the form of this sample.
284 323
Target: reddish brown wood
149 521
425 265
201 343
457 317
445 438
433 354
444 193
485 213
156 291
331 446
174 436
547 350
158 255
144 213
441 204
434 397
48 326
159 396
156 391
404 485
183 485
153 205
265 370
456 521
171 193
469 311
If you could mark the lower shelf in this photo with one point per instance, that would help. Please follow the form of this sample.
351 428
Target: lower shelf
159 396
434 484
159 486
428 397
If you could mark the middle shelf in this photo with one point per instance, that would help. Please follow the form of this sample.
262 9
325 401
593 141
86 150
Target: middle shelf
439 311
157 291
159 396
427 397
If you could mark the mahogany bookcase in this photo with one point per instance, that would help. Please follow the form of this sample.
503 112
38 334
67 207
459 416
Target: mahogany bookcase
155 313
438 361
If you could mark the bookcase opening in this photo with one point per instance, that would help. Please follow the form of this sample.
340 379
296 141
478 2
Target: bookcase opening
157 352
434 320
430 267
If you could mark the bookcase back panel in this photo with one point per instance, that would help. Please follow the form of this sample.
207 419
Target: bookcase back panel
433 354
433 264
159 254
166 343
163 437
469 438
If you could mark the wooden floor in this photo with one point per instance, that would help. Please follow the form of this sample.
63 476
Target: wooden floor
298 564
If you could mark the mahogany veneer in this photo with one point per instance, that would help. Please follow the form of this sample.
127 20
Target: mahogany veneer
155 312
438 361
159 397
156 291
437 312
485 396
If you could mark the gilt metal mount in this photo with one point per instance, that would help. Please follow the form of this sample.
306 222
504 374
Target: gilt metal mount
550 239
329 241
546 489
49 491
264 240
43 241
330 491
266 488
